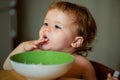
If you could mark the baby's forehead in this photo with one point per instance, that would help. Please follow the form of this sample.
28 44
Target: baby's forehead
67 13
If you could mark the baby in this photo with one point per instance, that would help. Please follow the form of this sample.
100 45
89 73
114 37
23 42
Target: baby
70 28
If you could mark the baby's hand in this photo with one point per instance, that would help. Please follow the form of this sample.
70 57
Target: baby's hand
39 42
28 46
110 77
31 45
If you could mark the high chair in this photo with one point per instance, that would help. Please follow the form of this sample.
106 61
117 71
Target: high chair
102 71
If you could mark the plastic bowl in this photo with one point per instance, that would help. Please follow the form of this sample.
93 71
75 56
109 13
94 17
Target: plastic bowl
41 65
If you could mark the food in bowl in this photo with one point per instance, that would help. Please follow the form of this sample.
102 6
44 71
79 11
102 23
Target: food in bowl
42 65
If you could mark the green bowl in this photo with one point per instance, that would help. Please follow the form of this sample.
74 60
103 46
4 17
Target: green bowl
42 65
43 57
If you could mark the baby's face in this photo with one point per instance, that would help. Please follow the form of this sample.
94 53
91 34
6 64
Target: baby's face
59 29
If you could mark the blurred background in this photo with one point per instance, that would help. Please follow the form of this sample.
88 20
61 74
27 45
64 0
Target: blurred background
20 20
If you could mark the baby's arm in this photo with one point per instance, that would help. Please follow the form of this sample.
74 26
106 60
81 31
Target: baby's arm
23 47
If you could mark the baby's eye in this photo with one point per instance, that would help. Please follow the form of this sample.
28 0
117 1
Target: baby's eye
45 24
58 27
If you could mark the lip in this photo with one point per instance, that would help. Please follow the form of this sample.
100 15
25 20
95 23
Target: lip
45 37
43 44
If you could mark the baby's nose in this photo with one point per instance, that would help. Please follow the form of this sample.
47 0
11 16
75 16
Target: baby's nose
47 29
44 30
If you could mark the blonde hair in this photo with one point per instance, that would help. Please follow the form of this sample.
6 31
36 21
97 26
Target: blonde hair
86 26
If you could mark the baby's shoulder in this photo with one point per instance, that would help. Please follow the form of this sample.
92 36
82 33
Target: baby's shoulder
83 62
84 65
81 68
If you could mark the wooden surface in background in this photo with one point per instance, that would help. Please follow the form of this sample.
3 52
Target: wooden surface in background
10 75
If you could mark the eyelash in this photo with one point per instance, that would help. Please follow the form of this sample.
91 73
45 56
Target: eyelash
56 26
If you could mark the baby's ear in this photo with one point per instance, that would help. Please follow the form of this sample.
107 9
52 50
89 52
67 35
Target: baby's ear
77 42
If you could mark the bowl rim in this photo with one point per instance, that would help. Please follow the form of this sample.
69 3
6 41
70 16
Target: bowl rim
11 61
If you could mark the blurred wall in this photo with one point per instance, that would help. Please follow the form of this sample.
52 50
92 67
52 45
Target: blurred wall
30 16
7 28
106 14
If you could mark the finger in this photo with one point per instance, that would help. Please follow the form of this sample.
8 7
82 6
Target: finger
41 41
109 77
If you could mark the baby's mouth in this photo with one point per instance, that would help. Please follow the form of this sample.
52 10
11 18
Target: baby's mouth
45 39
